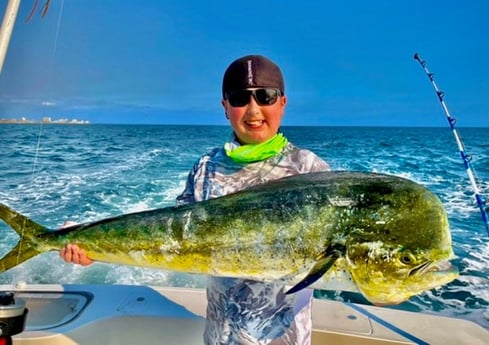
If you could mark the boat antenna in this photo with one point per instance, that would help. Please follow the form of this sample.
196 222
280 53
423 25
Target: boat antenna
466 158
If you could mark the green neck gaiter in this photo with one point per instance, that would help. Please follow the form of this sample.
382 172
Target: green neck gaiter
256 152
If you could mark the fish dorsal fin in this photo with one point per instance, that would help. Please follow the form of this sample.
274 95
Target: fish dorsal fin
323 263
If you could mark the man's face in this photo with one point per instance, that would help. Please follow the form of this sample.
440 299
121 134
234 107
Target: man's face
254 123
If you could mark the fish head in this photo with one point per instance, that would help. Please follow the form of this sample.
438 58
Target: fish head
402 248
388 275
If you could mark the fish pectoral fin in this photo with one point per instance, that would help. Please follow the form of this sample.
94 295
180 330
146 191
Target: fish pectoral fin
324 262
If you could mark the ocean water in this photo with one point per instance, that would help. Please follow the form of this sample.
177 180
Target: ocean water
81 173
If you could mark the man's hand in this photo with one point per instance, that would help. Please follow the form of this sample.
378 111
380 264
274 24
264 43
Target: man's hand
72 253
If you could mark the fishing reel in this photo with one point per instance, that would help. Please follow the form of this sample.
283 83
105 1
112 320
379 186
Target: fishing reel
13 315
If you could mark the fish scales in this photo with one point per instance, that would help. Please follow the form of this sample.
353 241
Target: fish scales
377 230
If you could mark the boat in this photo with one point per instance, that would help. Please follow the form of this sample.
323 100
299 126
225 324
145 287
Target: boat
138 314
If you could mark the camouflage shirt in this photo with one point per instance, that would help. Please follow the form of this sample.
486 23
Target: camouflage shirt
244 311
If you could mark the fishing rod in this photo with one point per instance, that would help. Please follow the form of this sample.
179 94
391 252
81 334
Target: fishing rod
7 27
466 158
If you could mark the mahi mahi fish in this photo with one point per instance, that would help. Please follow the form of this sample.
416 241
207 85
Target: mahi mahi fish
387 235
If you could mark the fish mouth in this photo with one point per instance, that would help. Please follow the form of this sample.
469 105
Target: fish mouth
423 277
432 267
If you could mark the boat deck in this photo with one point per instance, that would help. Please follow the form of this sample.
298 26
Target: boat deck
120 314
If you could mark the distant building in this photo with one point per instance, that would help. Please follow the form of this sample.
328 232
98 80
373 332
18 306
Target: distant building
47 120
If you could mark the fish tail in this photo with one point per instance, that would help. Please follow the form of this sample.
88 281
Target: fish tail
27 229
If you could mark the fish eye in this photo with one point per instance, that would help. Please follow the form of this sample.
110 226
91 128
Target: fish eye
406 259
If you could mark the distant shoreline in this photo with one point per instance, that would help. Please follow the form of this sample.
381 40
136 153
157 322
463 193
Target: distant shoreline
44 121
34 122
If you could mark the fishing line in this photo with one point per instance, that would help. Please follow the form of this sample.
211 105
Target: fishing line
56 36
48 83
36 154
39 136
387 324
466 158
33 175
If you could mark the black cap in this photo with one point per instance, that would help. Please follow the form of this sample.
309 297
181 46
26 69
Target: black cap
252 71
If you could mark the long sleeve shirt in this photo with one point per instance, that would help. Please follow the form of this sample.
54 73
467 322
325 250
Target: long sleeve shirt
243 311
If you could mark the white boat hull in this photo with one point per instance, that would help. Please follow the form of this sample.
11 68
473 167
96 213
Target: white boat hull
121 314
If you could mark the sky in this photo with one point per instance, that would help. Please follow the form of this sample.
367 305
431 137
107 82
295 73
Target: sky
345 63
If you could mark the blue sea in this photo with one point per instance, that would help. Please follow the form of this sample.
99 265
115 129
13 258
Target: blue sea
55 173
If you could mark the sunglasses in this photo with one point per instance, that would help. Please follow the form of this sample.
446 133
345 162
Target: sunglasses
240 98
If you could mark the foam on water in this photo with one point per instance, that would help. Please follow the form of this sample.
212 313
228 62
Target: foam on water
86 173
